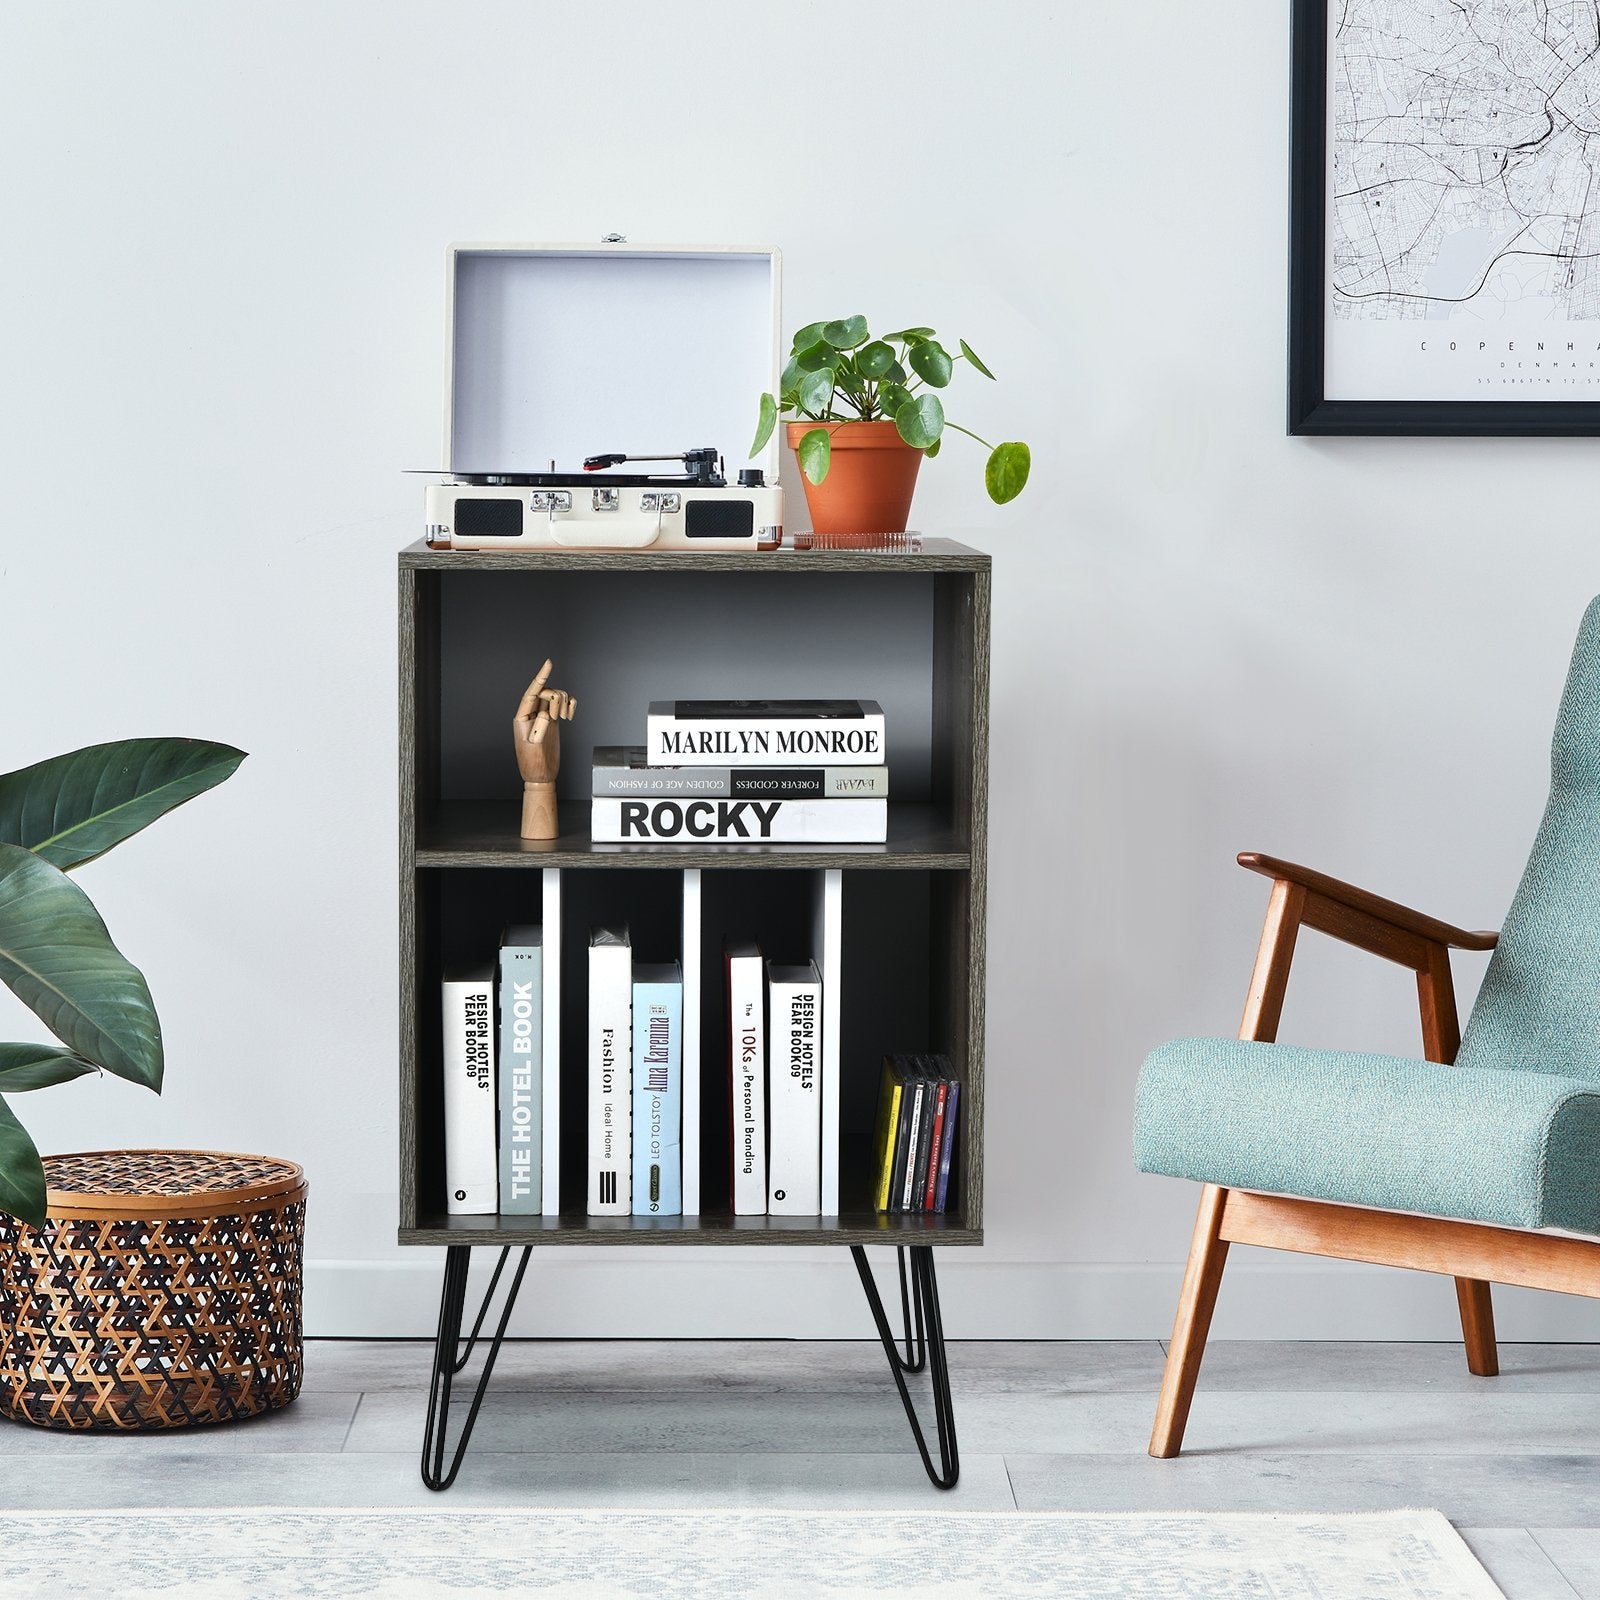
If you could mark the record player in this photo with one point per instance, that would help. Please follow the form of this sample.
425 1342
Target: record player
552 350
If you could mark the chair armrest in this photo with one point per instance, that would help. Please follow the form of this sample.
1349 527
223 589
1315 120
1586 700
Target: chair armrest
1389 912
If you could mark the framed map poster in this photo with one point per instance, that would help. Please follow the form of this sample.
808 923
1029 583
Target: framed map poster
1445 217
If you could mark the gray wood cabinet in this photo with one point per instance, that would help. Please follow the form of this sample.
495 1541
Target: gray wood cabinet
909 628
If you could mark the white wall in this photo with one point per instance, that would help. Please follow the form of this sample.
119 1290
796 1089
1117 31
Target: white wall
220 308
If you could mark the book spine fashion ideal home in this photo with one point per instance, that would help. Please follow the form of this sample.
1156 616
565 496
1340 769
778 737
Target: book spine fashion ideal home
610 1053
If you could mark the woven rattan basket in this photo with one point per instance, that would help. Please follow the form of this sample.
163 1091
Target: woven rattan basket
162 1292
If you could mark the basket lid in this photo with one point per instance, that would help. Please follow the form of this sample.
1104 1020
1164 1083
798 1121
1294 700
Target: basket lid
164 1182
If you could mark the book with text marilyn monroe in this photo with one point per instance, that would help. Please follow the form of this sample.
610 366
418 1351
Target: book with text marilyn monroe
621 772
794 1095
610 1073
738 821
764 733
747 1075
657 1089
470 1169
521 1078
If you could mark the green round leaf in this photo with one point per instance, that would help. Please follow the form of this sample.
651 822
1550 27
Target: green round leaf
891 396
38 1066
1006 475
789 379
875 359
896 374
58 959
22 1188
816 391
920 421
815 452
765 423
73 808
817 358
933 449
809 335
931 362
911 334
846 334
972 356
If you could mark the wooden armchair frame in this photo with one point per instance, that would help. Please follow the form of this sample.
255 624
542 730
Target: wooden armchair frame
1474 1254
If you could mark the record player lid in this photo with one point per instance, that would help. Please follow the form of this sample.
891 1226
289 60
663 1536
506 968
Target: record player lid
559 351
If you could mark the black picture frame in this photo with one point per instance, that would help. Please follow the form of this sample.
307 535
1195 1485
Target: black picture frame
1310 412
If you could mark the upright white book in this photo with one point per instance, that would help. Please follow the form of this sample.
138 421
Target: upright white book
550 1011
794 1109
610 1073
470 1167
747 1075
827 945
764 733
521 1059
691 1042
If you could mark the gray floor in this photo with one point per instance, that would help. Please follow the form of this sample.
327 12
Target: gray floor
1513 1461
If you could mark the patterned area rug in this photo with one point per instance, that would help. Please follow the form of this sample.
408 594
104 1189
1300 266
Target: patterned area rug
445 1554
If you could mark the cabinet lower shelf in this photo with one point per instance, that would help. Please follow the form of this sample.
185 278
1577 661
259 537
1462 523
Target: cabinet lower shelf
853 1228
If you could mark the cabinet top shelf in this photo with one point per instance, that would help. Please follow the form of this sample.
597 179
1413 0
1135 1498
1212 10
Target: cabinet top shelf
933 555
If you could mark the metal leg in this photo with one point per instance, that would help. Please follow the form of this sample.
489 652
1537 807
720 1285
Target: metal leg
924 1296
916 1356
449 1359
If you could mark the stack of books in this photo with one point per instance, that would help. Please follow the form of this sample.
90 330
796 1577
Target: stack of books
918 1106
635 1081
746 772
776 1065
494 1080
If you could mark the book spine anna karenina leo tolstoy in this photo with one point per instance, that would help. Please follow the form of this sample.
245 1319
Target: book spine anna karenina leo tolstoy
468 1059
657 1089
685 821
765 733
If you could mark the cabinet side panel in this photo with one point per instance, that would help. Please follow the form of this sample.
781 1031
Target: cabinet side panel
958 665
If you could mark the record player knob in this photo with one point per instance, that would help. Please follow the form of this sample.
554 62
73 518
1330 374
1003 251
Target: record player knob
752 478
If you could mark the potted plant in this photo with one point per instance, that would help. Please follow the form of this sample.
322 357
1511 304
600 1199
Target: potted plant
867 413
55 953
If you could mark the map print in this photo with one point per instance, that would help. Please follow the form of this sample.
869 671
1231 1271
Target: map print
1464 188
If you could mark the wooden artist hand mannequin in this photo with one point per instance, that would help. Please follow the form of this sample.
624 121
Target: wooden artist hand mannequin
536 732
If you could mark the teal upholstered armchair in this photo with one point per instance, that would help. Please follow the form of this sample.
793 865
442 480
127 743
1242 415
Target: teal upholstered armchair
1450 1164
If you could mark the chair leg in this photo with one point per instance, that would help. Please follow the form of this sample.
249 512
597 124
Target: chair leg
1477 1327
1208 1252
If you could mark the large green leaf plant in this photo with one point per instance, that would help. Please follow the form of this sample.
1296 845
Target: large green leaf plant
55 953
838 373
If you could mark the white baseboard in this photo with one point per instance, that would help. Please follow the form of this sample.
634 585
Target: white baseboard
776 1294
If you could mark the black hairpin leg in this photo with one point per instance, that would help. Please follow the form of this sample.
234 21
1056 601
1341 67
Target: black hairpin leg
921 1308
449 1358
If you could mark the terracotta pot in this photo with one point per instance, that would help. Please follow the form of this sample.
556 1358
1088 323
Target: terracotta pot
871 478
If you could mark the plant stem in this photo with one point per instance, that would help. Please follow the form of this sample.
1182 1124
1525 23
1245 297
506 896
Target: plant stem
969 433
